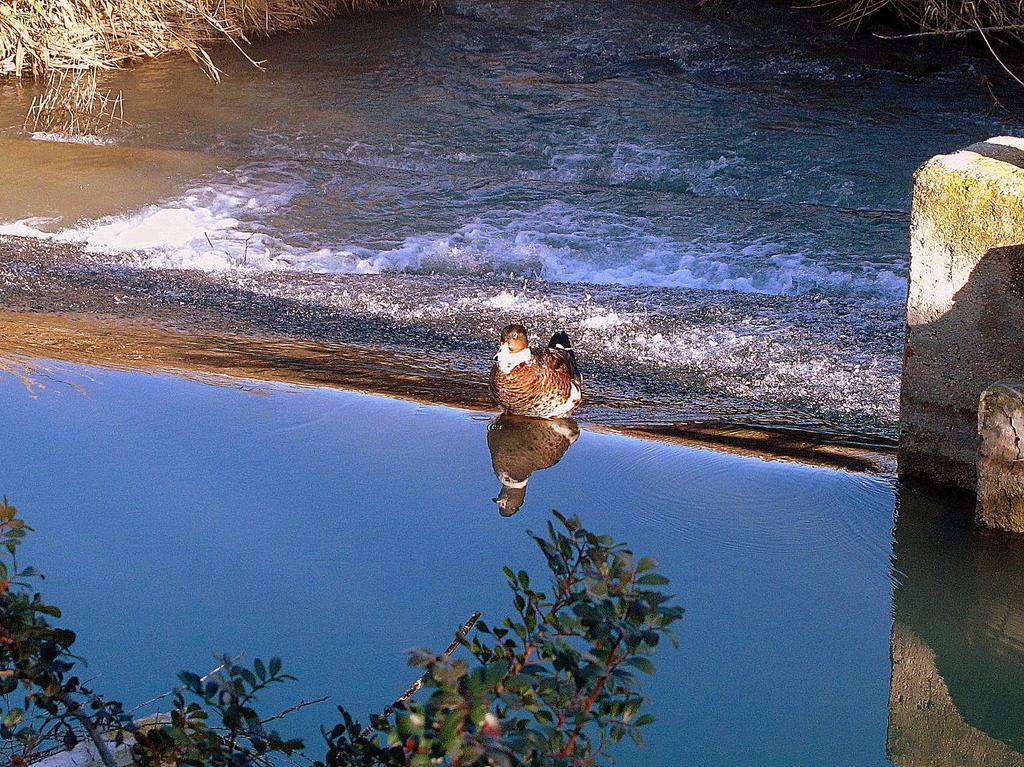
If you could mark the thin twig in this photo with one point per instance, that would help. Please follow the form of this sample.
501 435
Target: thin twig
997 102
996 56
588 704
245 253
173 690
74 709
949 32
415 686
293 709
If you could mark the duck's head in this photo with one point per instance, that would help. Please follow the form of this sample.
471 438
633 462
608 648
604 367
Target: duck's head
514 338
510 499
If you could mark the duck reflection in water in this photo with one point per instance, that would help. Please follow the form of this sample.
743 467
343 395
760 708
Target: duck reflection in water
520 446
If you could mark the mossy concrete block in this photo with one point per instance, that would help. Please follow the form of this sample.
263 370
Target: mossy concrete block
1001 457
965 308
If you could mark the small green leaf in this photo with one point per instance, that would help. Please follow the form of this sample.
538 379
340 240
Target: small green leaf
652 579
13 717
641 663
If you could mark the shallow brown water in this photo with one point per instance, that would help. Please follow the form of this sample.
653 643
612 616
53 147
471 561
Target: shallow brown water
78 182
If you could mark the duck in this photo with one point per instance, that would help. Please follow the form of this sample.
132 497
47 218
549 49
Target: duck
532 381
520 446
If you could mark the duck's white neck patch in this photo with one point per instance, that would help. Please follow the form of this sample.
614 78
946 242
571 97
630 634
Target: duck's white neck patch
506 479
508 359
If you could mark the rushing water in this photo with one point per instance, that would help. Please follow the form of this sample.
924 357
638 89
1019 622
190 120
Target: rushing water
176 519
715 205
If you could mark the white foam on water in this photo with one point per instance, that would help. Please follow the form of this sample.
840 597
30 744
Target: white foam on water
177 236
63 138
646 162
226 227
604 320
751 364
204 230
30 227
562 244
504 300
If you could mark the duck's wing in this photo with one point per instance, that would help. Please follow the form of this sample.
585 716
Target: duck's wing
560 363
492 382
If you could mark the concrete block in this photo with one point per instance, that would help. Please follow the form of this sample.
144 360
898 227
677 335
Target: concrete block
965 304
1001 457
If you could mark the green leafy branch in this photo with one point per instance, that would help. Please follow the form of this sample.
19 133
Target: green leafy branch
553 684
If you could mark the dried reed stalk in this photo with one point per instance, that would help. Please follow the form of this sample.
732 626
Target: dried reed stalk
64 43
71 102
936 18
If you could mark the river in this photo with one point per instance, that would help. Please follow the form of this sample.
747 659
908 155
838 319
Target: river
714 206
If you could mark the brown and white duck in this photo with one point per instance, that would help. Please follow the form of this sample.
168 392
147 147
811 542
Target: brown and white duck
537 382
520 446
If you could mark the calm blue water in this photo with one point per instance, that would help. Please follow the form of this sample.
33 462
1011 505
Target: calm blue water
714 206
176 519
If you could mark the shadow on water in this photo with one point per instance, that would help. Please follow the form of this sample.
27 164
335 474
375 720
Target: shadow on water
957 691
520 446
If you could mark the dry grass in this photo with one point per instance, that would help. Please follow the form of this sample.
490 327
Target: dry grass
986 21
63 43
71 101
937 18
